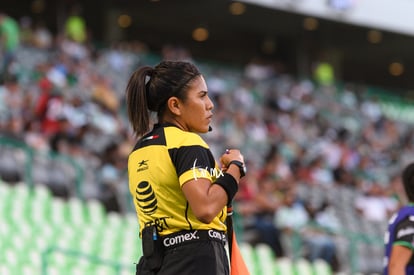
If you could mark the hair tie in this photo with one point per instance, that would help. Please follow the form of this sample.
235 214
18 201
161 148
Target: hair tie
147 79
148 76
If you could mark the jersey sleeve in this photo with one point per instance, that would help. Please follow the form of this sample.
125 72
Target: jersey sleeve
404 234
193 162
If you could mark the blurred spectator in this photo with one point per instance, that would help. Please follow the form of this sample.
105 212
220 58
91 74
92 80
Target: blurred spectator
323 71
396 190
175 52
11 98
313 226
50 110
41 37
103 94
75 25
111 170
26 31
324 74
292 214
276 166
375 206
34 136
258 69
9 43
258 213
319 233
319 172
344 177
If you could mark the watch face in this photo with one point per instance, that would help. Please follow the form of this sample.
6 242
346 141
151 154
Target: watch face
244 170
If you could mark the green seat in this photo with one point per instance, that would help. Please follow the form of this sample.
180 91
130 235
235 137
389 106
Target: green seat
265 259
77 211
41 200
8 269
59 212
284 266
247 253
95 212
11 258
59 260
128 269
321 267
5 191
304 267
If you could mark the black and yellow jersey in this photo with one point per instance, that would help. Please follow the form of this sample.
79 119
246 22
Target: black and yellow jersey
161 162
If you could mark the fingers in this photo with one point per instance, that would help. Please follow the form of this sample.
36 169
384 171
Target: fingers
229 155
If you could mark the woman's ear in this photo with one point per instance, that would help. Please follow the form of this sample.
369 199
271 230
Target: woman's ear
174 105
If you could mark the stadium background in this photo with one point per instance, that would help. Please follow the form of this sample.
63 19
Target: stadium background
239 38
287 40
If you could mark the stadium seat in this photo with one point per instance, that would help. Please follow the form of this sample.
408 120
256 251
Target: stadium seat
321 267
95 212
285 266
265 259
247 252
77 211
304 267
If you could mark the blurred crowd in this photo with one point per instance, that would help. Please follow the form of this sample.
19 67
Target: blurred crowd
61 94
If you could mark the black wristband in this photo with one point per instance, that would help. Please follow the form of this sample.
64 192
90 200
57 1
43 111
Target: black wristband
229 184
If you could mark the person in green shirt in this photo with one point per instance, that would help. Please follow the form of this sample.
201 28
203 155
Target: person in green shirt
9 41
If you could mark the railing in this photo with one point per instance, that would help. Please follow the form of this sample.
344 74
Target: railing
28 151
117 267
30 154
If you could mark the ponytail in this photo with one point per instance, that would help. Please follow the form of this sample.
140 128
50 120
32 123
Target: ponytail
136 101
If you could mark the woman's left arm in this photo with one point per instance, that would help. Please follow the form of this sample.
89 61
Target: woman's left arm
206 199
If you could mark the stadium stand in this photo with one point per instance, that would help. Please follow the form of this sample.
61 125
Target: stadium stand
88 179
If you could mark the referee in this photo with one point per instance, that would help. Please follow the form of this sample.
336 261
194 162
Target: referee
179 191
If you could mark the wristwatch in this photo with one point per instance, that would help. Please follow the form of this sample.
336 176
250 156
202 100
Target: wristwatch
241 166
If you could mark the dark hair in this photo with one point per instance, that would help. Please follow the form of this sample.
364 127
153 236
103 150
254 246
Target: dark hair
408 181
150 88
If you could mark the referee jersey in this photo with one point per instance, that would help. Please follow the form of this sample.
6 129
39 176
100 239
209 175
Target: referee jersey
161 162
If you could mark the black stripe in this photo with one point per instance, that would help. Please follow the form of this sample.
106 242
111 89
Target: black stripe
154 203
146 199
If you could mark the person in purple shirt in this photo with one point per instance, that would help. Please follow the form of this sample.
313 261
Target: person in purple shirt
399 238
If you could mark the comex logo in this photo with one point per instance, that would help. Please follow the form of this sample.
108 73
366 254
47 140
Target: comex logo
146 199
203 171
181 238
190 236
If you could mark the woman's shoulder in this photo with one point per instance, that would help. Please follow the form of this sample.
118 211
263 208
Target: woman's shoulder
178 138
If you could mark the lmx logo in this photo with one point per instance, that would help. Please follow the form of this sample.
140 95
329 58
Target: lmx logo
214 172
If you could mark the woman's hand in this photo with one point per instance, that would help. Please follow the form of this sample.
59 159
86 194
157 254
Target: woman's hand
228 156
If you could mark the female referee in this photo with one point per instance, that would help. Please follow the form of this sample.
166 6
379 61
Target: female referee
179 191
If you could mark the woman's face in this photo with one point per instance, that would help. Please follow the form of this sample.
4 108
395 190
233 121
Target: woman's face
196 111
